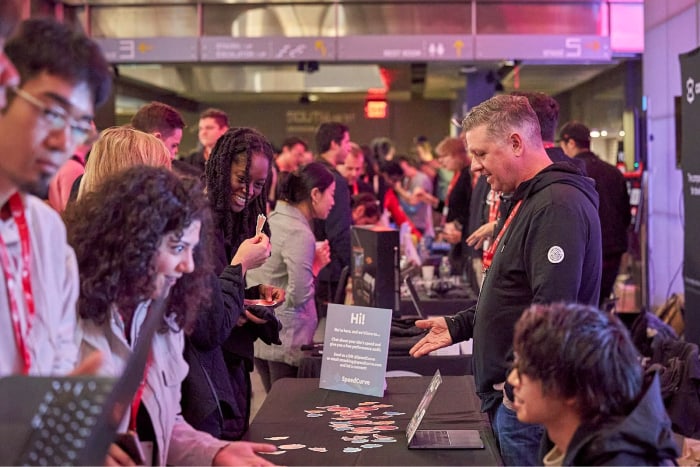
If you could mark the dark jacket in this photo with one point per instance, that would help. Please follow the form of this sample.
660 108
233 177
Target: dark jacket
196 159
550 253
614 209
209 401
458 203
336 228
217 391
478 210
643 437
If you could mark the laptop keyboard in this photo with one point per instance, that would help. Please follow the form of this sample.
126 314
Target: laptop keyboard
438 437
64 421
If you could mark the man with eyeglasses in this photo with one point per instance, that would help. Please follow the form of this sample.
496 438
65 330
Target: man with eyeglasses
62 77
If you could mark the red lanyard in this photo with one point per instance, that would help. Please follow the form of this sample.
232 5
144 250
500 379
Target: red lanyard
17 209
136 403
494 206
488 254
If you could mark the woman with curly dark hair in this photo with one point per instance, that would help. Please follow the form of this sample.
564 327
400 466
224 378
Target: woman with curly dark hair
135 237
237 182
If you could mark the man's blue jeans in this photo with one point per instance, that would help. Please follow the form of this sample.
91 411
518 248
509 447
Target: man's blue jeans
518 442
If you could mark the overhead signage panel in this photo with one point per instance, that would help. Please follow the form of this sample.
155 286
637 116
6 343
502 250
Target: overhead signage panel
438 48
150 49
266 49
551 48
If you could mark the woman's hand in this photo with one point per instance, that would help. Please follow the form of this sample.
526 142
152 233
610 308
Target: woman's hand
322 256
252 252
117 457
243 453
271 293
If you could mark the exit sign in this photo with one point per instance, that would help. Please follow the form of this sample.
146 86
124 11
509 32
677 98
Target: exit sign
375 109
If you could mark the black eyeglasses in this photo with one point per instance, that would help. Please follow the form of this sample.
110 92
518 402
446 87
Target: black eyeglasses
57 119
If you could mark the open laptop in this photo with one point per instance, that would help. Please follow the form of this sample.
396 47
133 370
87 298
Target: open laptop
70 420
413 293
438 439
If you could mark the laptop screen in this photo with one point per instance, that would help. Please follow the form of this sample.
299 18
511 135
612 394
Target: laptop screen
414 296
423 406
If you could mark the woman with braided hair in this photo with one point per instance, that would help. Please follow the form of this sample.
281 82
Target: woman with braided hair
237 181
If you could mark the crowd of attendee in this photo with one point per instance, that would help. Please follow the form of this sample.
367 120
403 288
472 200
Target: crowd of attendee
247 245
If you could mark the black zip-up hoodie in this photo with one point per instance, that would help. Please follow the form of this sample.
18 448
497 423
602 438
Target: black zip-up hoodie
551 252
642 437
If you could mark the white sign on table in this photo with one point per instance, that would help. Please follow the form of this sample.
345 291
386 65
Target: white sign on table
355 349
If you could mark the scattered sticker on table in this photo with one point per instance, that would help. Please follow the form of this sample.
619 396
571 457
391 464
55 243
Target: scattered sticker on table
371 445
291 446
318 449
384 440
277 438
354 438
393 414
352 450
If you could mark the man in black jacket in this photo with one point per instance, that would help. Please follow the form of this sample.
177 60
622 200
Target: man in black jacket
577 373
614 210
546 249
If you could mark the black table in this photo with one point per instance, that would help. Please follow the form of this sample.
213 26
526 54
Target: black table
457 299
455 406
454 365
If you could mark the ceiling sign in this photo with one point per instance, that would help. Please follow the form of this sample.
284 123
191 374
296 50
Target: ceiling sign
442 48
266 49
550 48
150 49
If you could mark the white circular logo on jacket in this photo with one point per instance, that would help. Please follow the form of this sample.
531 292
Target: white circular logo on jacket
555 255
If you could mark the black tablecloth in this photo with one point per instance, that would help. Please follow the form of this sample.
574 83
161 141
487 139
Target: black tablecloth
455 365
455 406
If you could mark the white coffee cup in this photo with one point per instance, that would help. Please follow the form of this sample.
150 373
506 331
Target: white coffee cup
428 272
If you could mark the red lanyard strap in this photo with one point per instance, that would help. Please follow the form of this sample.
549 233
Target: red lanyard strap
17 210
488 254
136 403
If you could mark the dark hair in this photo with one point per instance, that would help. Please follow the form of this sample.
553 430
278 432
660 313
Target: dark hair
547 110
235 145
297 186
327 133
412 160
115 232
370 203
9 17
292 141
381 147
581 352
44 45
218 115
159 117
391 168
